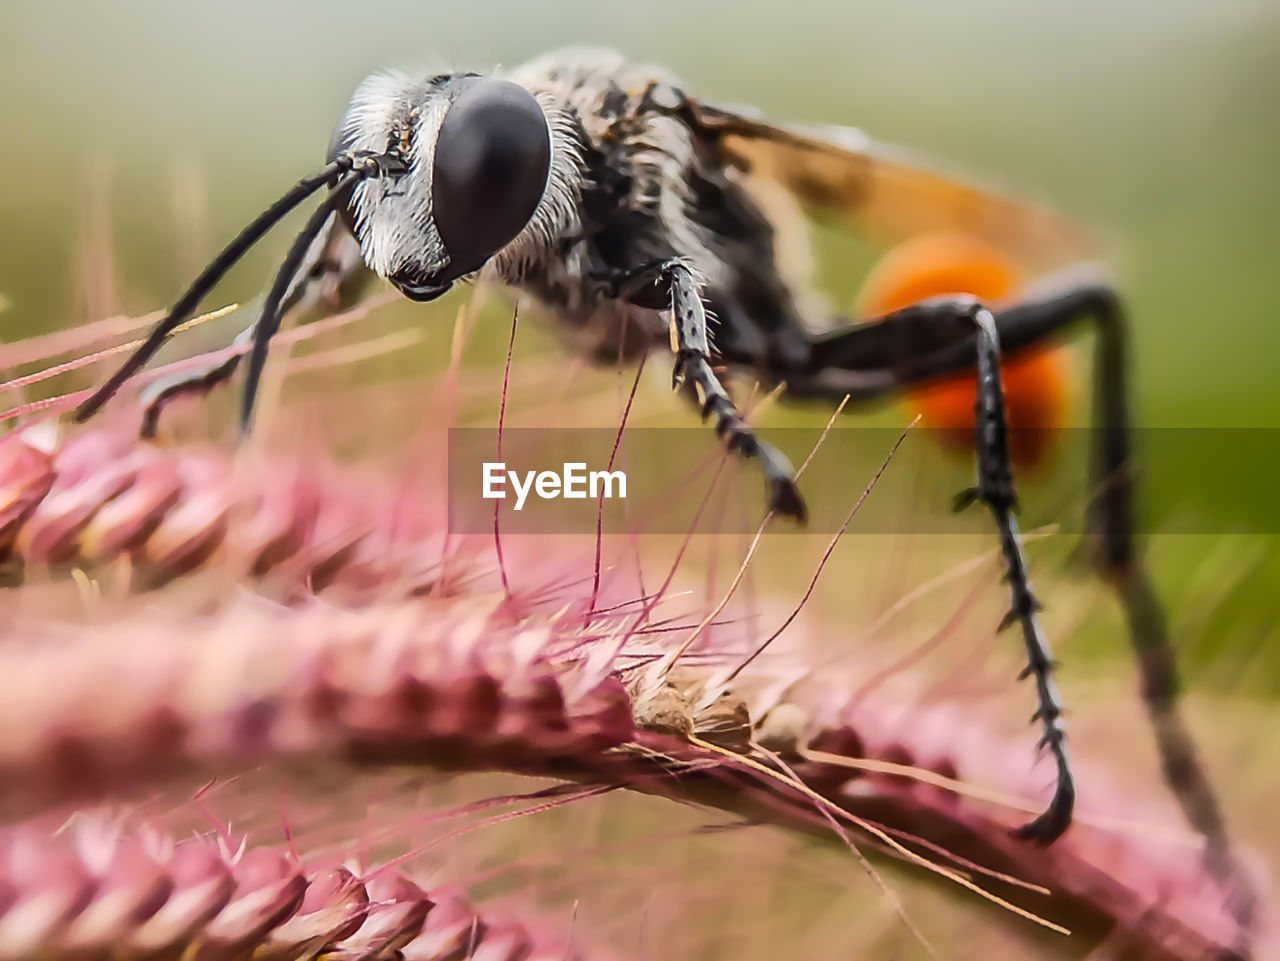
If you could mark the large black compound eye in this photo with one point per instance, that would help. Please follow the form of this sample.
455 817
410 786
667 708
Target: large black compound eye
492 160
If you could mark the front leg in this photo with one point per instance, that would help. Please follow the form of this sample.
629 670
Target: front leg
673 282
333 277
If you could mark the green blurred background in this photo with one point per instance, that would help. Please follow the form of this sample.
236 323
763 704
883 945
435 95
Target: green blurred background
155 128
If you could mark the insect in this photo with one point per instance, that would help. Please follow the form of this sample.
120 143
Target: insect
633 211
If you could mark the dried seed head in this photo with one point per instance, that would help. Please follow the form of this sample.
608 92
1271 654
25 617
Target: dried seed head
784 730
659 706
719 715
726 723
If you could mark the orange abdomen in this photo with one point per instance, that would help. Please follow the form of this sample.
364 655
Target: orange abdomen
1036 381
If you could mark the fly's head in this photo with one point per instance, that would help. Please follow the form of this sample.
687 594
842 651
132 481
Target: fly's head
474 159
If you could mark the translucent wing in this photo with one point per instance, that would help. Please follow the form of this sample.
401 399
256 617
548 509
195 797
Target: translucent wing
837 170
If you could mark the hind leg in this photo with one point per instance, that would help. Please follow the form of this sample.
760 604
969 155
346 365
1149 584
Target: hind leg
963 326
931 339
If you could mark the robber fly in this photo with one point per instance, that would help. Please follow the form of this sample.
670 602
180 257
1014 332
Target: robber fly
633 211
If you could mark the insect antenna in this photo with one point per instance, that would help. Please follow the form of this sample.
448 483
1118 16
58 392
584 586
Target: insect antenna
269 320
208 278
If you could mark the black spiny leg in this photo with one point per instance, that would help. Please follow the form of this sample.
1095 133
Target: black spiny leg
215 270
995 489
692 346
340 175
1112 511
157 395
924 341
332 278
